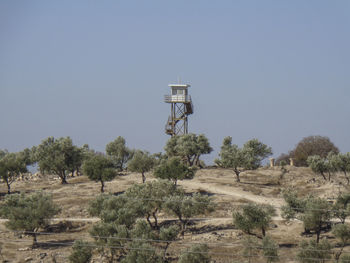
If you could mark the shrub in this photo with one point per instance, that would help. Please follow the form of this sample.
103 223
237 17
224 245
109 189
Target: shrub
270 250
312 252
82 252
196 254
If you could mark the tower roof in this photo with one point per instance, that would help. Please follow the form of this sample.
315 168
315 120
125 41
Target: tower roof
179 85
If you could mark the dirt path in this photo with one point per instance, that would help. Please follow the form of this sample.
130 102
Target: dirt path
236 193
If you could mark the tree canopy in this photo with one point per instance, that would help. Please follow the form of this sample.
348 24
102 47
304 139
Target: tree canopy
309 146
123 219
248 157
318 165
173 169
189 146
340 163
58 156
313 211
28 212
11 166
141 162
254 216
119 153
99 168
196 254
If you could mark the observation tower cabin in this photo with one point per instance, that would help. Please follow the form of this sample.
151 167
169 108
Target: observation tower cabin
181 107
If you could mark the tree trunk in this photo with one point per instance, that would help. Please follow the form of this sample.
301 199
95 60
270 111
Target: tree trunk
338 254
8 186
143 178
102 186
149 221
329 176
155 219
237 174
183 223
63 178
347 178
196 160
324 177
318 232
165 249
263 231
35 243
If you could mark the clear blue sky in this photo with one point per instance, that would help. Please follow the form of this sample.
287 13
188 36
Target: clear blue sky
94 70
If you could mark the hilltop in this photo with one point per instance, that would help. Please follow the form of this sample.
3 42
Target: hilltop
216 229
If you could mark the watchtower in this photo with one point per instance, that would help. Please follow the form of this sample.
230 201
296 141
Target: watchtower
181 107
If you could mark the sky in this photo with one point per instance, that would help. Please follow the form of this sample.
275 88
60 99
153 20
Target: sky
273 70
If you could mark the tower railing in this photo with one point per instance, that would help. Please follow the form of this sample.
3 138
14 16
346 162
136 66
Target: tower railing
177 98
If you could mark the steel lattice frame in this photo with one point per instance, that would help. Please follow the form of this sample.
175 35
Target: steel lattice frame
179 121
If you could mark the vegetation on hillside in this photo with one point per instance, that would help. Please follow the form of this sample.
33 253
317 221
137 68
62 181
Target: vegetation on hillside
141 223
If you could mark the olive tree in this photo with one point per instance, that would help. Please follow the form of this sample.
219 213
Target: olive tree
58 156
119 153
340 163
185 207
111 233
313 211
141 162
168 234
195 254
3 153
99 168
174 169
342 233
28 213
270 250
341 207
123 226
345 259
142 252
148 199
311 252
294 207
81 252
317 214
253 247
318 165
248 157
254 216
11 166
189 147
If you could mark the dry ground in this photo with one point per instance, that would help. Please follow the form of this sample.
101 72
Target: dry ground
215 229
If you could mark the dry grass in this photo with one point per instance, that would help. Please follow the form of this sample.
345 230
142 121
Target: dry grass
264 186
